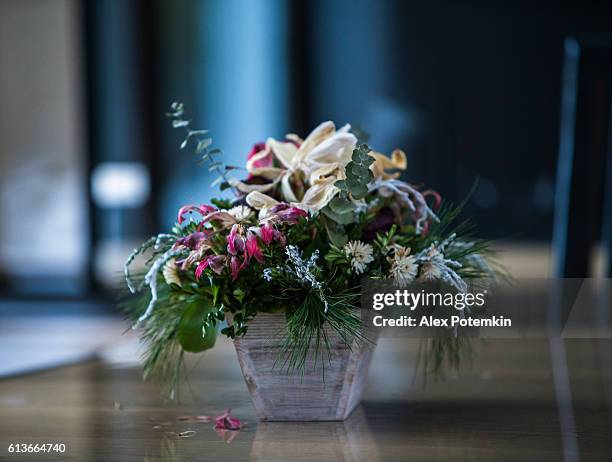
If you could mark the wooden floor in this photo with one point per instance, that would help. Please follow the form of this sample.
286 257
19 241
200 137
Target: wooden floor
508 407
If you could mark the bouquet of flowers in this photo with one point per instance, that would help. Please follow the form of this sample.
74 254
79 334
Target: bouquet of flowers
312 218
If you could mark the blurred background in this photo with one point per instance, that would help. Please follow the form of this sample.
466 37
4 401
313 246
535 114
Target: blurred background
515 94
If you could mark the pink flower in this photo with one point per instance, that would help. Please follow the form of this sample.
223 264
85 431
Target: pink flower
202 210
252 248
258 157
235 267
214 262
288 213
200 268
217 263
267 234
235 240
193 240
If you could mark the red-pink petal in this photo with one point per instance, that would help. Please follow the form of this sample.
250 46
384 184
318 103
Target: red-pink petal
235 242
186 209
200 268
217 263
267 234
235 267
226 422
206 209
202 210
252 248
265 161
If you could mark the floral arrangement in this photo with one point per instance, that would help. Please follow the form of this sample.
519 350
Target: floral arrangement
311 218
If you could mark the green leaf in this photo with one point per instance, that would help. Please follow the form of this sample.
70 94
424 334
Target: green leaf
359 170
239 294
203 145
180 123
343 219
221 203
191 333
218 181
358 190
341 184
368 160
337 238
340 205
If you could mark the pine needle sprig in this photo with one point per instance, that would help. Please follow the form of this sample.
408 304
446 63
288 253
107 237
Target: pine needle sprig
315 323
163 354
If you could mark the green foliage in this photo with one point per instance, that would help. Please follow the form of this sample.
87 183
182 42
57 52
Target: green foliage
202 144
310 328
222 204
340 218
163 355
341 210
341 205
358 173
335 255
335 232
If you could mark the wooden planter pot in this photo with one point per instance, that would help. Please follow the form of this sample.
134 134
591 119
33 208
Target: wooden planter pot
279 396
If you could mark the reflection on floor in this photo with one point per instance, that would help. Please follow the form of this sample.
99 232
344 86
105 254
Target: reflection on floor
503 408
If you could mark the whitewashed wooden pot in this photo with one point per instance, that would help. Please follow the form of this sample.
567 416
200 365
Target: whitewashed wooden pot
281 396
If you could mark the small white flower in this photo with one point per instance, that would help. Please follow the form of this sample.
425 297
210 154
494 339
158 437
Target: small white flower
360 255
431 271
404 267
171 273
241 213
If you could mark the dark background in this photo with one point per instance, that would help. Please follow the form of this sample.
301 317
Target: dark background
469 89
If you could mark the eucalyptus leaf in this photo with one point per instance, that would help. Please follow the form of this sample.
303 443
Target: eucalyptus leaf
343 219
177 123
337 237
360 171
359 190
368 160
341 206
203 145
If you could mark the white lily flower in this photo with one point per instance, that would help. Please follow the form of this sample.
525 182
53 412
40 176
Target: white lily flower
318 161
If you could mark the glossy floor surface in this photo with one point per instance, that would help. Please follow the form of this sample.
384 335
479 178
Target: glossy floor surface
522 400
